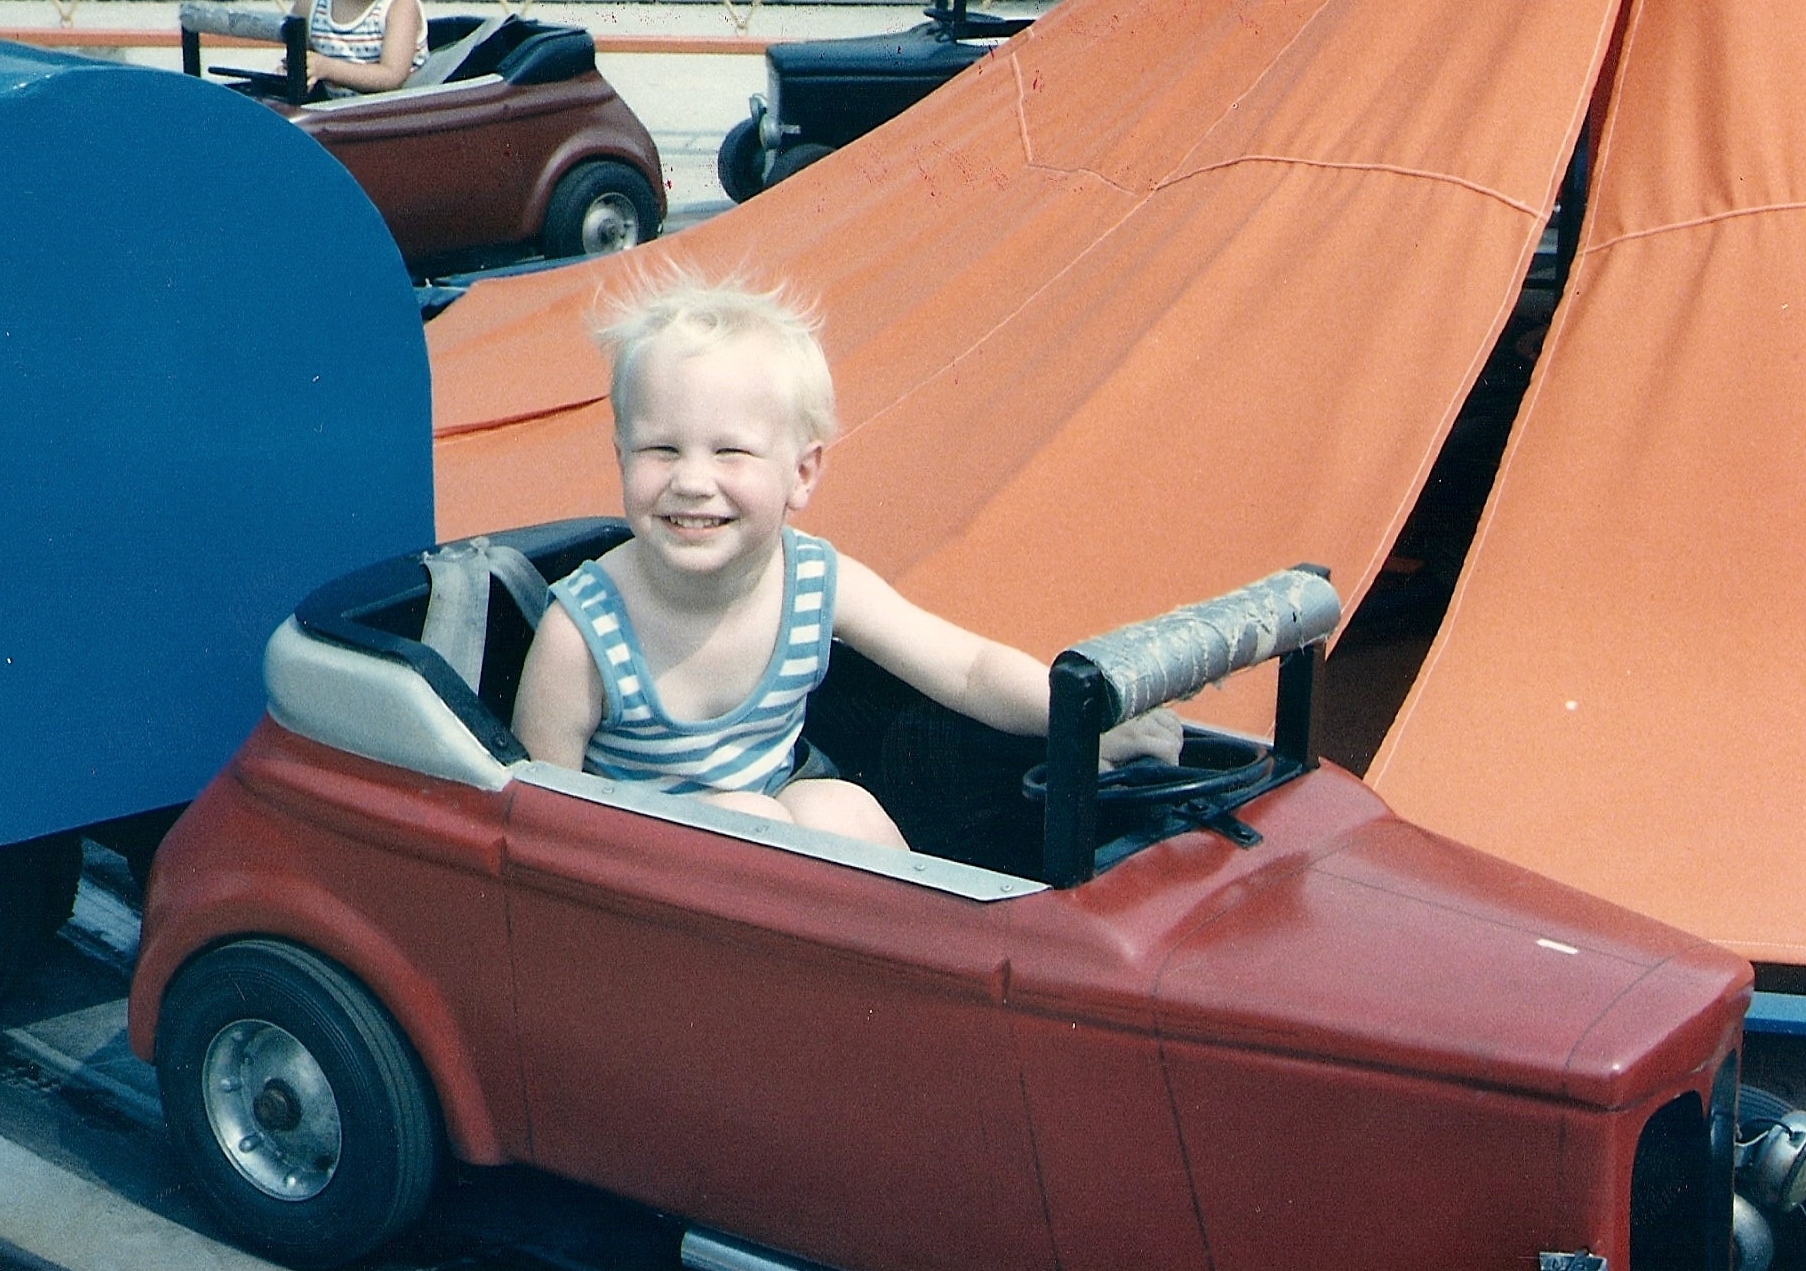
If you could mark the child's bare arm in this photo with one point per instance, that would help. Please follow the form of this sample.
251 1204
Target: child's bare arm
991 682
401 33
560 698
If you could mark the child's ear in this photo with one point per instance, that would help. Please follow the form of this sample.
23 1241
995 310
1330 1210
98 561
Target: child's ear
808 472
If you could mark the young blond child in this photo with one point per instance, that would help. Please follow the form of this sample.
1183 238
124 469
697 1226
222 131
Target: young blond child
684 657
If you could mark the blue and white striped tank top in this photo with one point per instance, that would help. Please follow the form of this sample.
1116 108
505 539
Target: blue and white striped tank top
749 748
361 39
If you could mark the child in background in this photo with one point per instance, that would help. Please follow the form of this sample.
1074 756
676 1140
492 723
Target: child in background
684 657
367 46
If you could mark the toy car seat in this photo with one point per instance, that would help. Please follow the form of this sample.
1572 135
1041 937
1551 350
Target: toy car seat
549 55
443 63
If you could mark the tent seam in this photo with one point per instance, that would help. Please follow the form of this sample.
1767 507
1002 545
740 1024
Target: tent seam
1203 137
1393 168
1266 72
1695 223
1028 145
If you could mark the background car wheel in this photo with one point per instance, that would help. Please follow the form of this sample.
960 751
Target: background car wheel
794 160
741 161
1757 1110
295 1103
600 207
37 893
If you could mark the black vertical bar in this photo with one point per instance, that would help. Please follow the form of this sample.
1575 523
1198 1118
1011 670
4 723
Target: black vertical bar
191 52
294 38
1075 718
1295 714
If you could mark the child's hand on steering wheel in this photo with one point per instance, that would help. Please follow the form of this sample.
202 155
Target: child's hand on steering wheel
1156 735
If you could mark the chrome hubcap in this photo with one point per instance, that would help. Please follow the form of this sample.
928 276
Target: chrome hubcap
272 1110
611 224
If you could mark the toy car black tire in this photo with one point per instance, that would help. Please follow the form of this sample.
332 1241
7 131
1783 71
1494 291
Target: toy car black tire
793 160
740 163
597 208
295 1103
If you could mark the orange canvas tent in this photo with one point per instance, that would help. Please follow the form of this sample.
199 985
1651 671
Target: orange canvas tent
1616 696
1158 298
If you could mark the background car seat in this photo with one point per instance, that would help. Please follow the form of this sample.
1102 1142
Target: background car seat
549 55
442 64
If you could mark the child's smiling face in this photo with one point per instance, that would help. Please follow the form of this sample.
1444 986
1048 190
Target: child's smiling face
713 461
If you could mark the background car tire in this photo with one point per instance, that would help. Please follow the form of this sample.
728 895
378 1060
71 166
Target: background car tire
295 1103
1758 1109
38 880
741 161
793 160
599 207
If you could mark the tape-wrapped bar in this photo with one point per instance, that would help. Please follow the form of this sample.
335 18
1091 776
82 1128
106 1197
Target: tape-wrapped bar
232 19
1171 657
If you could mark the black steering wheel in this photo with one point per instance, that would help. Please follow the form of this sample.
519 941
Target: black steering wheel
1210 763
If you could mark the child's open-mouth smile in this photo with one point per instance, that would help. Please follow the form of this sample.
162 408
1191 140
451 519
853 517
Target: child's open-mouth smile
691 526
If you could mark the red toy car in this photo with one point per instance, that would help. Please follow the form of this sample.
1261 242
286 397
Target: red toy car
1234 1014
506 143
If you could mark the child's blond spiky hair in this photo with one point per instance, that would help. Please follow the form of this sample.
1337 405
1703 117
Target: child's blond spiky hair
705 315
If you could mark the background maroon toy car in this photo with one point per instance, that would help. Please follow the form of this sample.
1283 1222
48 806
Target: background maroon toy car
1235 1014
507 142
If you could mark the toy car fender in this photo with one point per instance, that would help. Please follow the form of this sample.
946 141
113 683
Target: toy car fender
460 1031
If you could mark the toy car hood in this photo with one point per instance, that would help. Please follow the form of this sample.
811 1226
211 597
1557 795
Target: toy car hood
1433 959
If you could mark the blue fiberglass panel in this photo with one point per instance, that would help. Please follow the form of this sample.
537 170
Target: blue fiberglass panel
213 397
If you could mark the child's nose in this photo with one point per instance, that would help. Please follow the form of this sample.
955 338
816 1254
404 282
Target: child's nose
691 473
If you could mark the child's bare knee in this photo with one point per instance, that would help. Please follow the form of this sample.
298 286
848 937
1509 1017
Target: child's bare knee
841 807
747 801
